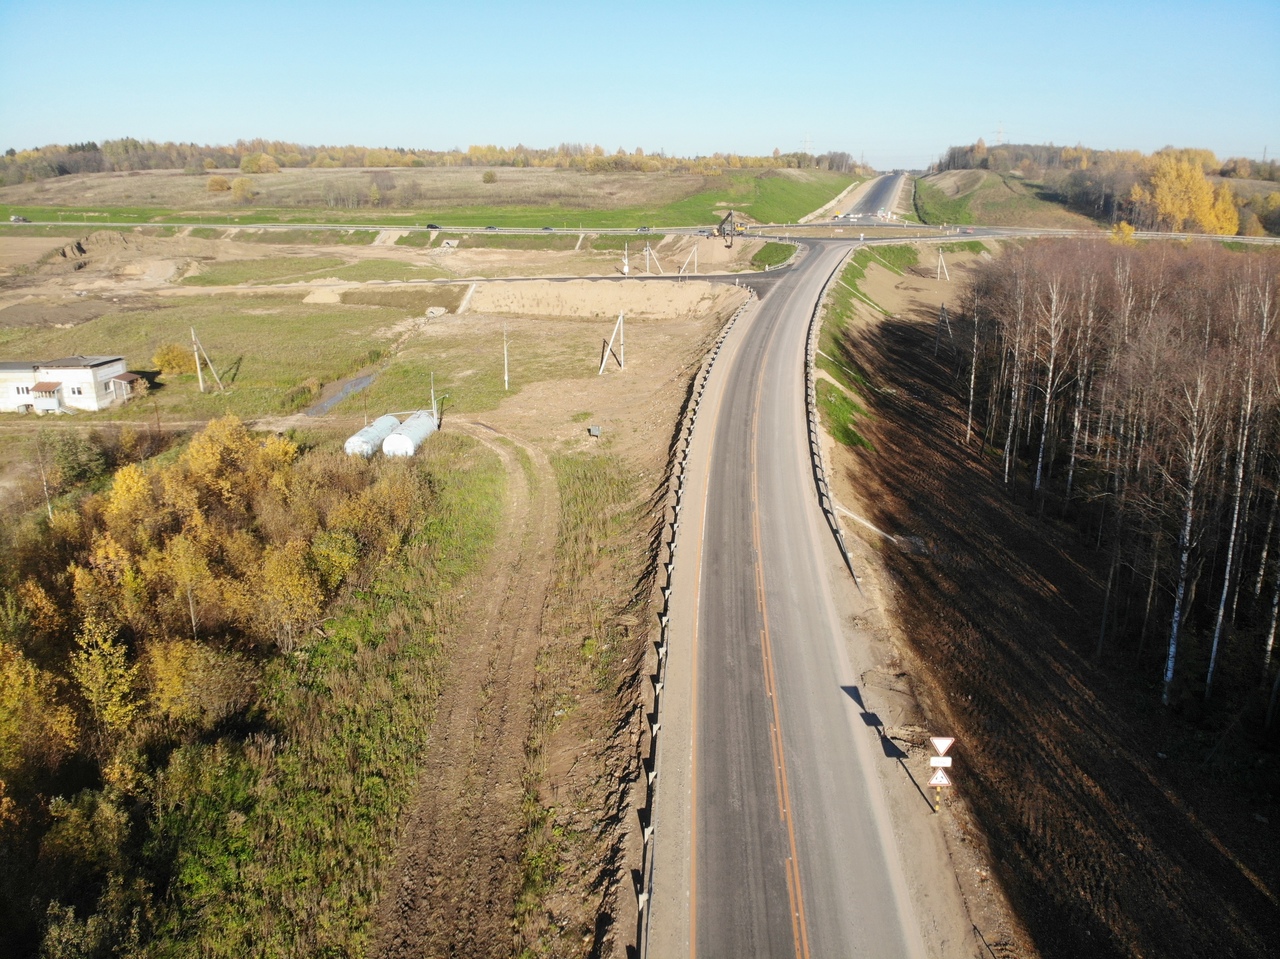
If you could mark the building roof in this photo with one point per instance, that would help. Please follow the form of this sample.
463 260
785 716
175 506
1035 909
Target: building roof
45 387
18 364
78 362
127 377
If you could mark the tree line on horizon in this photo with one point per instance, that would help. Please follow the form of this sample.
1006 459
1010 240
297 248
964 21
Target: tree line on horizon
1169 190
264 156
1135 390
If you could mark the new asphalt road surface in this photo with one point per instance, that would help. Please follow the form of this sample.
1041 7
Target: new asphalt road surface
771 833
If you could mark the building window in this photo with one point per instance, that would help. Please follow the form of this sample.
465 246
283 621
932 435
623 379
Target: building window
77 391
23 390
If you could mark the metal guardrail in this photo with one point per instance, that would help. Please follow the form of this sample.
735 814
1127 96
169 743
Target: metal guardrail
822 486
679 458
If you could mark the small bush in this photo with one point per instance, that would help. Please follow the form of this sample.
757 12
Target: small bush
242 189
218 184
174 358
489 177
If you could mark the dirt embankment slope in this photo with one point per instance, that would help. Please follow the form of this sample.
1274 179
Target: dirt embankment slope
1106 848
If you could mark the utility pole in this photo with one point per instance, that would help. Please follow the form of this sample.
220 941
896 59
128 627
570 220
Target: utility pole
44 479
196 350
506 382
619 333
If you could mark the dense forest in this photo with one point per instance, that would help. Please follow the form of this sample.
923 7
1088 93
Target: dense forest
266 156
1170 190
1135 391
216 661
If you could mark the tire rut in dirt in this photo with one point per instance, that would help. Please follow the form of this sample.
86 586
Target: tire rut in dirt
454 885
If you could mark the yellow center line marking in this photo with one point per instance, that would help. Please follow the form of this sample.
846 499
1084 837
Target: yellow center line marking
799 927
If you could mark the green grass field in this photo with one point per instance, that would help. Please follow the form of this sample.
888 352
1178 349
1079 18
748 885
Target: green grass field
767 196
511 241
772 254
267 270
365 270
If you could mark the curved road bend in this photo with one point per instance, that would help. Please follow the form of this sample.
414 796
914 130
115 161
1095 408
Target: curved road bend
772 836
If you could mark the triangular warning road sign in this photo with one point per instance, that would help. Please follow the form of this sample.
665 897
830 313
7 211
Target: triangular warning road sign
942 743
939 779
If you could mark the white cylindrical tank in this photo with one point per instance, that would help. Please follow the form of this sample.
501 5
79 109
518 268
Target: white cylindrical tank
366 442
405 439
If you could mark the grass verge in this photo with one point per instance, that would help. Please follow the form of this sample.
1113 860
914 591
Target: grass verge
578 670
963 246
935 207
316 237
840 413
772 254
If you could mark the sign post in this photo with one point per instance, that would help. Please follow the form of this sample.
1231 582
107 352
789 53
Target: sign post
940 763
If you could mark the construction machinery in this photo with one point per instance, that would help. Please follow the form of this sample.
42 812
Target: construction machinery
730 227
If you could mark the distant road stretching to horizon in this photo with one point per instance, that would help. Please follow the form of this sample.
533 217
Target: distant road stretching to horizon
772 836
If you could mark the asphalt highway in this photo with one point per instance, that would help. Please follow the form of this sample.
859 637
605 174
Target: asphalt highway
772 834
881 195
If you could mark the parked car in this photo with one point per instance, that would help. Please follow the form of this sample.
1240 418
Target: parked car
643 229
433 226
18 219
548 228
490 227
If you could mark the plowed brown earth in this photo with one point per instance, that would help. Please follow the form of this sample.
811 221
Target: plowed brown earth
1105 848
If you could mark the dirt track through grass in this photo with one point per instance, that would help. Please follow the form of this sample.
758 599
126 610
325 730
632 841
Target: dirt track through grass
453 888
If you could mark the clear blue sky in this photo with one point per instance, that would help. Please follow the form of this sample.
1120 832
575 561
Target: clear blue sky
898 83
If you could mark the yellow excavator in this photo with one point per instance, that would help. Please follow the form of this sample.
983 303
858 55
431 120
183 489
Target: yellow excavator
730 227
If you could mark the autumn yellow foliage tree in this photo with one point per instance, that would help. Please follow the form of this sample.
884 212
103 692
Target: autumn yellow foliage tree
36 729
105 677
1177 197
195 686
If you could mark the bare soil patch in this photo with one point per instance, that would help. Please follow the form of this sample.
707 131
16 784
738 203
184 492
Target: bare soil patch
525 716
1104 846
586 298
18 251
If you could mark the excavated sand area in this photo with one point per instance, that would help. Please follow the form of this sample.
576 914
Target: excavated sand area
583 298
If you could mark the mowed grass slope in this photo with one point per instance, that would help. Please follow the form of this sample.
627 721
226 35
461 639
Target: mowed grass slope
960 197
448 196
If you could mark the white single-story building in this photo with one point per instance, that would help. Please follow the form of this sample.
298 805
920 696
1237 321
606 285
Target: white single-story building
69 383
